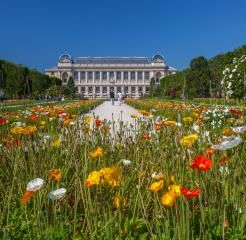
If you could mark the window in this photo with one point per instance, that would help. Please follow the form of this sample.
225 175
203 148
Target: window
90 89
133 89
89 75
118 75
76 90
125 75
118 89
76 76
82 75
64 77
146 75
82 89
140 89
97 75
133 75
97 89
140 75
147 89
111 75
104 89
52 73
104 75
126 89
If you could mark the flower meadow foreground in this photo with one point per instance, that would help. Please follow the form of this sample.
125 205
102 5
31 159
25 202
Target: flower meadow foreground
175 171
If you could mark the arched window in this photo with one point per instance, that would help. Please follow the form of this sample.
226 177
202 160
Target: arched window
64 77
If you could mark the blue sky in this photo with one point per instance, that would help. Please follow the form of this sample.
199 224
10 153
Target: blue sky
36 32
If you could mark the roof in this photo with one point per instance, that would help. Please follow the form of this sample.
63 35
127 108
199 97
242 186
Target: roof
112 60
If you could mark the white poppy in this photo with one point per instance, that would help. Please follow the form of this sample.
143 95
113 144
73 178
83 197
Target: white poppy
35 184
57 194
126 162
239 129
228 144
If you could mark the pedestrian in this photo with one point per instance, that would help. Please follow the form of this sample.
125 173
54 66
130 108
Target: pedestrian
120 98
112 96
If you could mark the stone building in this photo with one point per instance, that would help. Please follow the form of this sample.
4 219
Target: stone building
97 76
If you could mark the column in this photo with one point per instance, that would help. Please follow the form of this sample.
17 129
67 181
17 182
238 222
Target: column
136 77
93 77
100 77
86 77
129 77
122 90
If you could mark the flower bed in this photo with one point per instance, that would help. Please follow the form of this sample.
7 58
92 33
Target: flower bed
176 176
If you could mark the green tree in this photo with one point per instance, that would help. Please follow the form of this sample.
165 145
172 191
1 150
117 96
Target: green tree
199 78
70 85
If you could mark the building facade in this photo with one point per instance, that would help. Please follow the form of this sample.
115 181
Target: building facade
97 76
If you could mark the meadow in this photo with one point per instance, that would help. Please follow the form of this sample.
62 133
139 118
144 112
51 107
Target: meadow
177 171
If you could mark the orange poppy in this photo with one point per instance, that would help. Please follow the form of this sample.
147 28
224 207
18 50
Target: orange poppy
27 196
56 175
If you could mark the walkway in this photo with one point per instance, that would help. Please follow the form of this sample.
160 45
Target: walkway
115 113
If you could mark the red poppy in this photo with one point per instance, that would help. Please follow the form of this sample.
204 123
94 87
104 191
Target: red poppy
60 112
201 163
3 120
236 112
188 193
33 118
98 122
223 161
146 137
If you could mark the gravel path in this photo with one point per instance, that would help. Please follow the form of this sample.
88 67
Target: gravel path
115 113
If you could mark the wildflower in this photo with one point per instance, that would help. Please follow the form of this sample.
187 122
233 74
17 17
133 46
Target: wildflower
88 119
208 152
227 131
239 129
189 140
97 153
35 184
146 137
188 193
112 176
201 163
16 130
94 178
157 176
169 123
236 112
67 122
187 119
27 196
56 175
223 161
98 122
168 199
144 113
3 120
133 116
33 118
118 201
175 189
157 126
57 194
228 144
126 162
56 143
29 130
156 186
42 123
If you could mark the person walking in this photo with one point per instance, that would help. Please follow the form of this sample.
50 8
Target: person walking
112 96
120 98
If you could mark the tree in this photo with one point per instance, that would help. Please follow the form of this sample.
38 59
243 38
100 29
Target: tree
70 85
198 78
152 86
